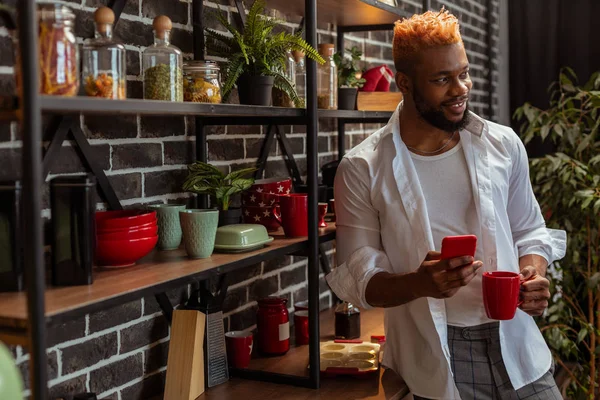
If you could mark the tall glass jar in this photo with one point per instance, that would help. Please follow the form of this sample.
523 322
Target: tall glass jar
58 51
162 64
300 74
327 86
273 324
201 82
347 321
104 60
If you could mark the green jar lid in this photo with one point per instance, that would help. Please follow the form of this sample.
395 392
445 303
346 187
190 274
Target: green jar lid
241 235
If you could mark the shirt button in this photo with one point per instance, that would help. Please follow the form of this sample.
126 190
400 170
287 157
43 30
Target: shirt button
465 333
482 156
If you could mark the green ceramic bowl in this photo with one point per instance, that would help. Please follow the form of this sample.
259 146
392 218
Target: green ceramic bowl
241 236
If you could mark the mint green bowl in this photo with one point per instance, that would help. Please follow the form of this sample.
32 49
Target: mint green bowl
241 237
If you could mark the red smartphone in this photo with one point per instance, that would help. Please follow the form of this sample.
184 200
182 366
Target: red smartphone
458 246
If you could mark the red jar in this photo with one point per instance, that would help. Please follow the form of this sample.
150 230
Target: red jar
273 325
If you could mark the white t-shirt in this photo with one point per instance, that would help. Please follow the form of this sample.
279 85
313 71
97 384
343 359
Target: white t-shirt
451 209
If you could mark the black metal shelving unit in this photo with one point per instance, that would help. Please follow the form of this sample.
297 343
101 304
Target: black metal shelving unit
31 106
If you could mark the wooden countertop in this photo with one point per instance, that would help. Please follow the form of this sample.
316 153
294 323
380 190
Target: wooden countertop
385 384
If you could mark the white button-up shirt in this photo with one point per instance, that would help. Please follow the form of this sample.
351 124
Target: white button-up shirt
382 225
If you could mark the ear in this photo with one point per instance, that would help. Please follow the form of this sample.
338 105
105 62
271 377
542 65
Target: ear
404 83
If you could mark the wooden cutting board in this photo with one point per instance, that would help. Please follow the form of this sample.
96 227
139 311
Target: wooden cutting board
378 101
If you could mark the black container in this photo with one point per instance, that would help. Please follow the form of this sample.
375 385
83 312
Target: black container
73 229
321 192
230 217
11 254
347 98
255 90
328 172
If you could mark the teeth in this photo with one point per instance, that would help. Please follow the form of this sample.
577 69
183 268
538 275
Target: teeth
457 105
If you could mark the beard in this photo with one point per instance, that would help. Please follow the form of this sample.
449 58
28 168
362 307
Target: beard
435 115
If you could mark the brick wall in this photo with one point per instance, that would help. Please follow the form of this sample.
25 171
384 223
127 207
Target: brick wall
121 353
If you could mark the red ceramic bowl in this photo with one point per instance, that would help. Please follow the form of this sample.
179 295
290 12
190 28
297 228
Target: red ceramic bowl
130 234
259 199
260 215
123 218
131 228
123 253
272 186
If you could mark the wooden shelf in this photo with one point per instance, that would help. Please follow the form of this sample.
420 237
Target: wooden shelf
384 384
158 272
345 12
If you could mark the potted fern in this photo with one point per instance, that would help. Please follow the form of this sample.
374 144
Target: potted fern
349 78
204 178
256 58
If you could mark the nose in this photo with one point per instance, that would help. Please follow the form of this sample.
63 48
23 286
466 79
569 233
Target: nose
460 87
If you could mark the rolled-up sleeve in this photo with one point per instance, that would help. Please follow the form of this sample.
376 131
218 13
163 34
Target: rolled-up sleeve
358 242
527 224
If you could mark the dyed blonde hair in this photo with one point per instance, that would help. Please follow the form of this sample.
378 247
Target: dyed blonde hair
423 31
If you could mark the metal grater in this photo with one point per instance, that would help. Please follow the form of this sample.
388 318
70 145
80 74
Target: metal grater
216 354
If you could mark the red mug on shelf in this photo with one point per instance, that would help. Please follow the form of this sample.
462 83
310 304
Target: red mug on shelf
239 348
293 215
501 294
273 323
301 327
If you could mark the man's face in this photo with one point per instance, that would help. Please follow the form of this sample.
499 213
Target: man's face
441 86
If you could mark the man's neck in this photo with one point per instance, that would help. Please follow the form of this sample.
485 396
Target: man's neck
419 135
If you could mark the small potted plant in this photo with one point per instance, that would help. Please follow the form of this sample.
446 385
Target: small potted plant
256 58
204 178
349 78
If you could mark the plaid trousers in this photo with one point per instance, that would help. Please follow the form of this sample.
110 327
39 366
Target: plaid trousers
480 373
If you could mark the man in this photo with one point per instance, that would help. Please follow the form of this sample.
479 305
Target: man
439 170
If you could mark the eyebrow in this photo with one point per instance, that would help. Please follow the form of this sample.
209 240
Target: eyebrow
449 72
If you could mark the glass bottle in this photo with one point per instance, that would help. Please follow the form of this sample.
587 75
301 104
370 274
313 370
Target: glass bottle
300 74
347 321
58 50
327 86
201 82
104 60
273 324
162 64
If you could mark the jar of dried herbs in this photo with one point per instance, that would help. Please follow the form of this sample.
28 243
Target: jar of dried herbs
104 60
58 51
201 82
162 64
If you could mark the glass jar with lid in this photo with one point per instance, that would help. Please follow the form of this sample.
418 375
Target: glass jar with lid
300 74
327 85
162 64
104 60
201 82
58 51
347 321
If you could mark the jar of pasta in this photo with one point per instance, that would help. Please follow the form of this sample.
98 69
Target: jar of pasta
58 51
201 82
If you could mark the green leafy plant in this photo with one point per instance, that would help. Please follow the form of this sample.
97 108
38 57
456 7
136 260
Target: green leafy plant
567 184
349 75
258 51
204 178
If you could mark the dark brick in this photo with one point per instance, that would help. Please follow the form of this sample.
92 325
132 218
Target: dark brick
244 319
208 129
116 374
183 152
243 274
329 125
151 388
162 126
5 135
133 62
276 263
143 334
164 182
84 28
134 33
7 85
127 186
156 357
69 159
182 39
235 298
323 144
6 51
131 6
254 146
300 295
73 329
10 164
381 36
52 370
263 288
293 277
243 130
86 354
277 169
387 53
136 155
209 19
325 302
297 145
176 297
66 388
115 127
135 90
115 316
323 286
176 10
221 149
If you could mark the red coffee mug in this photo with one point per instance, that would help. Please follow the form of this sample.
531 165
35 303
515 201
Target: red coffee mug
239 348
301 327
294 214
501 294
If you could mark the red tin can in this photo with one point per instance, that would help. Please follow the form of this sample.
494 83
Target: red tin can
273 325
